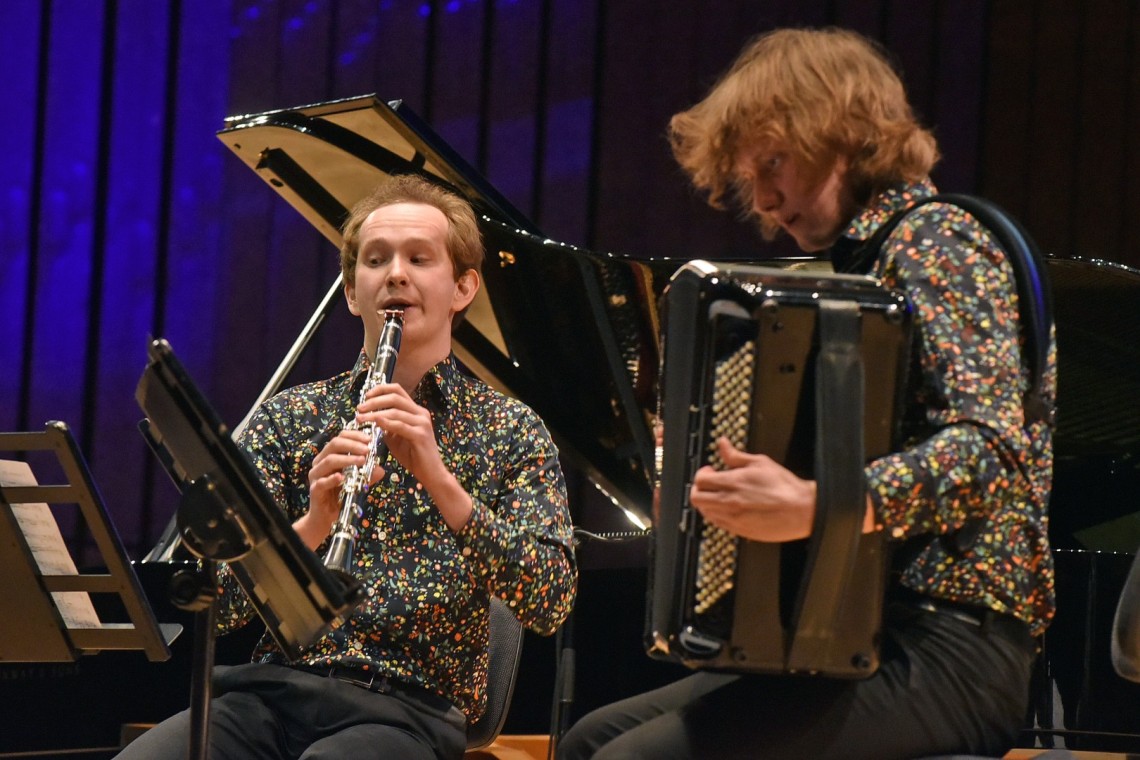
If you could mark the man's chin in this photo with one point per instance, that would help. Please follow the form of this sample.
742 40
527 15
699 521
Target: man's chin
769 230
814 245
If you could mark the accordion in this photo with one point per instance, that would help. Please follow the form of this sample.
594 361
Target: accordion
807 368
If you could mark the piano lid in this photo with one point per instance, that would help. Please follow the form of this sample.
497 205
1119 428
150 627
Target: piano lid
571 333
1098 357
323 158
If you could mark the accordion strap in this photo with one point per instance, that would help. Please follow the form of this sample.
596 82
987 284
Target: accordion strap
1034 294
841 492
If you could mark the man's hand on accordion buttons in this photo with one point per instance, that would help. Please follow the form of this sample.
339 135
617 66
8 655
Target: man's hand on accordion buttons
754 497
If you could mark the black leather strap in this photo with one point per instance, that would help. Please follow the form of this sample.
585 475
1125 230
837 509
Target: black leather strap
1034 294
986 620
374 682
841 492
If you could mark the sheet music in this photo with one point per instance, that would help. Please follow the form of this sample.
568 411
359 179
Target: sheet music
46 542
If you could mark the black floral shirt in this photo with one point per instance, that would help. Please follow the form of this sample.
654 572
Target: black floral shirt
970 458
425 617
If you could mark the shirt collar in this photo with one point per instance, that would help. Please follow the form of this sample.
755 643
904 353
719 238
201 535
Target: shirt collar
439 382
358 372
874 215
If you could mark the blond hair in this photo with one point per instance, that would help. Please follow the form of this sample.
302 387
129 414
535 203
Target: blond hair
464 240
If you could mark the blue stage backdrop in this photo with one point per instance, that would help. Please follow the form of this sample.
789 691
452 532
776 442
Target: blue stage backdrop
123 216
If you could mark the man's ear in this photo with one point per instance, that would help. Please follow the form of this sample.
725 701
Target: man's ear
350 296
465 289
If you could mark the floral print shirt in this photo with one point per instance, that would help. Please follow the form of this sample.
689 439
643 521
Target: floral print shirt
970 459
424 620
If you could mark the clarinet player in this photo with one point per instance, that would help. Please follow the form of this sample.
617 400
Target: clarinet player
469 501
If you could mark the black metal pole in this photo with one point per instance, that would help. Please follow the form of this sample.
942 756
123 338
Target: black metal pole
200 690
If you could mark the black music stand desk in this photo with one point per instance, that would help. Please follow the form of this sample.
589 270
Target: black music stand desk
228 515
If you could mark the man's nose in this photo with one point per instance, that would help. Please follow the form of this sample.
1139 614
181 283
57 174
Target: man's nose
765 198
397 271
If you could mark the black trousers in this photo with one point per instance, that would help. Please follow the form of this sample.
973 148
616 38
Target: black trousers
944 686
276 712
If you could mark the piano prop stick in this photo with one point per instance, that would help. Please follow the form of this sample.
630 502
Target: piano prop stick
806 368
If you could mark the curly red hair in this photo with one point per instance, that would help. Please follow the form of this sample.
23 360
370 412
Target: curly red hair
824 93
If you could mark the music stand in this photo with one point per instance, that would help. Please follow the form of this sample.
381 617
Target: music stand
227 514
47 612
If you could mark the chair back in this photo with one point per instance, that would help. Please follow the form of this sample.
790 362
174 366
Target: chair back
504 647
1125 647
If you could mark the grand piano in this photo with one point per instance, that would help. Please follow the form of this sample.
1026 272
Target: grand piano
574 333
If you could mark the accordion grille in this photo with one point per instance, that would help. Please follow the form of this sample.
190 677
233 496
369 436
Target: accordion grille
732 394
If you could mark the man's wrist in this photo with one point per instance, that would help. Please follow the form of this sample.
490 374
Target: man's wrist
310 530
455 505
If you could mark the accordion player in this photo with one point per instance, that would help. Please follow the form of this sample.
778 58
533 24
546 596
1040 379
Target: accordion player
807 368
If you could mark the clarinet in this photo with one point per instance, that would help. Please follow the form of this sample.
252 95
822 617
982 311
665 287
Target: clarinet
354 491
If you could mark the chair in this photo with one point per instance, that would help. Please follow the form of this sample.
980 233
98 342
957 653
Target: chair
504 646
1126 627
